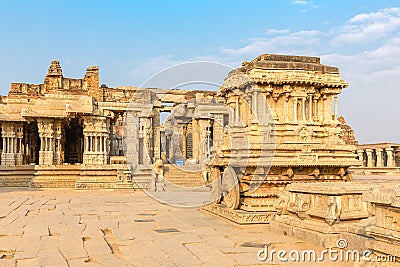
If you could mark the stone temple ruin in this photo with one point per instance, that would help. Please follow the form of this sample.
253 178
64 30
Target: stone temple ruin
69 133
304 144
269 146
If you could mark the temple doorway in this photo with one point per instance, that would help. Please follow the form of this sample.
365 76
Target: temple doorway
32 143
73 146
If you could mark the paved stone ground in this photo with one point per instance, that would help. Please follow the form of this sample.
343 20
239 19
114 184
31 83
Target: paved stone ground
102 228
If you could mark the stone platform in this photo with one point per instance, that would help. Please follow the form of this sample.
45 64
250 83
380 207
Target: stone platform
240 216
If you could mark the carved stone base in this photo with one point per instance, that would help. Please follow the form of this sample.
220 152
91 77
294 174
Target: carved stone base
52 176
124 186
8 159
314 232
46 157
97 177
390 251
94 185
16 176
258 204
239 216
320 233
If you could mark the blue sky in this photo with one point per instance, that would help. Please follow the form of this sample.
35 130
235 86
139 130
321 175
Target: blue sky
132 40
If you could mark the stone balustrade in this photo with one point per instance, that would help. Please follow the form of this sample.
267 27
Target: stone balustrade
377 157
385 227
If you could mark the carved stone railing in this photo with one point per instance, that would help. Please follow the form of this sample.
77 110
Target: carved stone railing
385 229
325 202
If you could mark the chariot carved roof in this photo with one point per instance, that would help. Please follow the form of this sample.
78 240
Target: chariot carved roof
283 69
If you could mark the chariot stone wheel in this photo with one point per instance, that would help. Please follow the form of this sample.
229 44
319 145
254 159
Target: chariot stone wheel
216 192
230 189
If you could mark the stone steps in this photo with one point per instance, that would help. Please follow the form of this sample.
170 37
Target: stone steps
124 185
16 176
183 176
75 176
97 177
142 177
60 176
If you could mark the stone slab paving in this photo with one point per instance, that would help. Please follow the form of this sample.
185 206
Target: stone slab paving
105 228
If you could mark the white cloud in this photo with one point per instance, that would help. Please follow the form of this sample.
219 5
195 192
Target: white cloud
365 28
366 48
300 2
304 4
300 41
276 31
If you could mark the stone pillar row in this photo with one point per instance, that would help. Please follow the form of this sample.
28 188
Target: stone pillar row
95 142
366 157
50 134
96 138
12 150
318 108
46 135
46 143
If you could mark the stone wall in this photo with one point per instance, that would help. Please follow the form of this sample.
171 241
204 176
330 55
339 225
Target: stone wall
361 216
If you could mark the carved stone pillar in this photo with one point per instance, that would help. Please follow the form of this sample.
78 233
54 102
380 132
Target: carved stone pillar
295 109
369 158
255 104
310 114
390 159
106 148
86 138
286 108
132 139
96 143
360 154
8 135
378 157
336 107
196 139
303 108
208 137
325 108
95 135
58 135
157 135
46 134
19 149
315 106
237 111
4 143
146 132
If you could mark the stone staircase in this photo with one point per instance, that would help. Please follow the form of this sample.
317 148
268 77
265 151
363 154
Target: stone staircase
113 176
16 176
183 178
60 176
97 177
142 177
